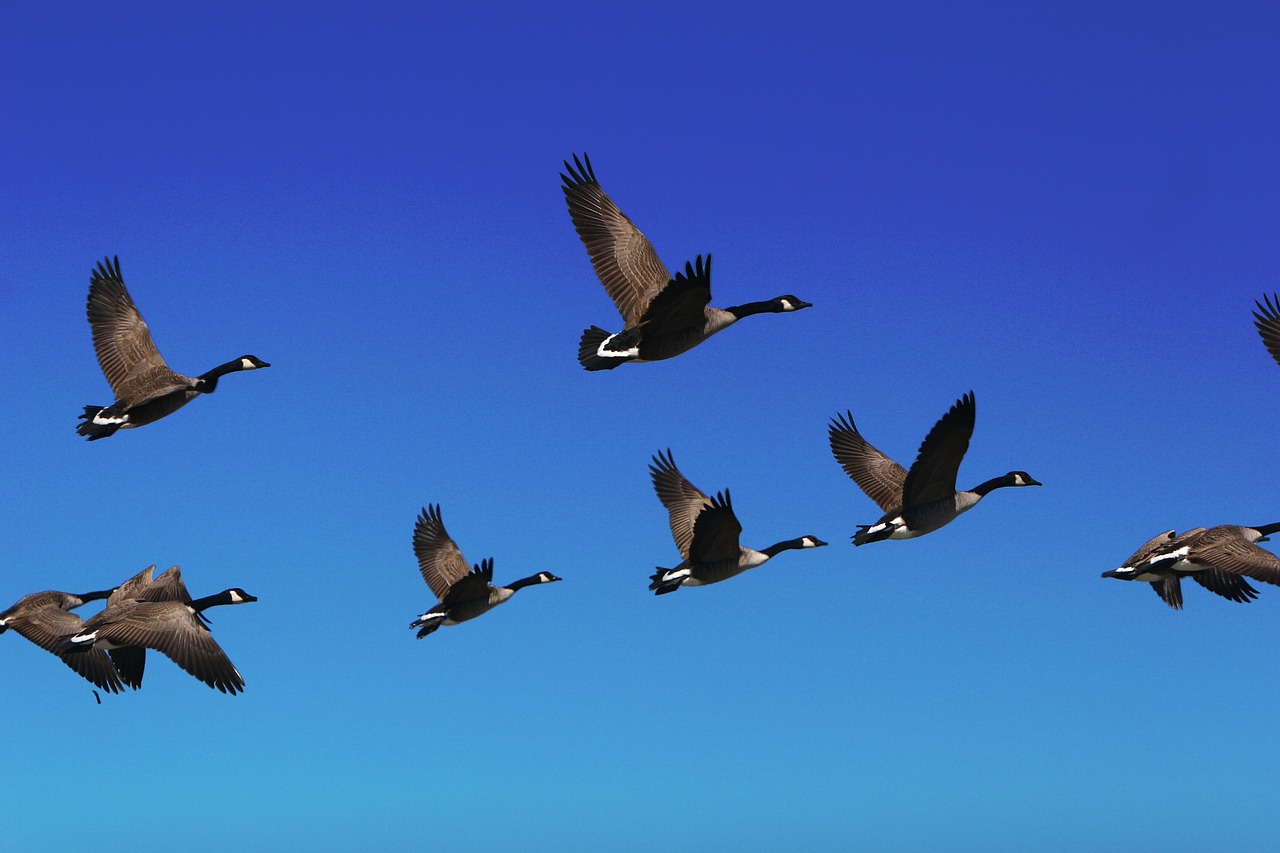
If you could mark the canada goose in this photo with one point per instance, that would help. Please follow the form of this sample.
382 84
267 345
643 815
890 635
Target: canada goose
44 619
145 388
1218 558
1167 580
1267 319
923 499
706 532
664 315
173 628
464 593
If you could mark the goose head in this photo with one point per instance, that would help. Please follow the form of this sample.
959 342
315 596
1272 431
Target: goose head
788 303
252 362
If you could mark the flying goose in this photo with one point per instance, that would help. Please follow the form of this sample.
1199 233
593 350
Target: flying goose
923 499
44 619
664 315
464 593
173 628
145 388
1267 319
1167 581
706 532
1219 559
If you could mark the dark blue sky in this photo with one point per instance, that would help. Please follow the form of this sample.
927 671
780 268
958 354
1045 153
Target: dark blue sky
1069 211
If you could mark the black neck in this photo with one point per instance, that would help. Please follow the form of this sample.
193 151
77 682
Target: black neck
1268 529
207 383
749 308
523 582
989 485
96 595
779 547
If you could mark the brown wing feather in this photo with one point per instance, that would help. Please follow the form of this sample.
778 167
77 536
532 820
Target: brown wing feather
684 501
171 628
624 259
126 352
439 559
1223 549
47 626
876 474
933 475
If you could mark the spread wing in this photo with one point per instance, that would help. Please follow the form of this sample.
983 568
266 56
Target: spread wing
1149 548
126 352
684 501
876 474
472 586
624 259
1222 548
716 532
48 626
171 628
1267 319
441 563
933 475
681 303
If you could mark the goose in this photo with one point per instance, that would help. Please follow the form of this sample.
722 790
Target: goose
1267 319
1219 558
145 388
173 628
706 531
464 593
664 315
923 499
1167 580
45 617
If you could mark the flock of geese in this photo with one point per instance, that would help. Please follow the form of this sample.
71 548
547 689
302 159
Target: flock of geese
663 316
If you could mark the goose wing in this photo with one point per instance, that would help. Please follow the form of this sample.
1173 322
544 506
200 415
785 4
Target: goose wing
167 587
1267 319
472 586
684 501
933 475
876 474
716 532
1223 548
439 559
126 352
171 628
624 259
681 304
1150 547
1170 591
1230 586
48 626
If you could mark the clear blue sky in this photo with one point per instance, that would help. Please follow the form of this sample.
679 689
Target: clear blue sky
1068 210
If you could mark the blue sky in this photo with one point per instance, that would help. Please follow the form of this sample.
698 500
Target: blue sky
1068 210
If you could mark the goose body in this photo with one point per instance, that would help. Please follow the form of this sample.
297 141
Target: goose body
664 315
1219 559
144 386
176 629
464 592
44 618
706 532
925 498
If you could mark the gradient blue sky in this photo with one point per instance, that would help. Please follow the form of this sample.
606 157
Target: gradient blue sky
1069 210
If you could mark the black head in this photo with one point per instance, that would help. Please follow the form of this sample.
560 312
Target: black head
1021 478
790 303
252 362
546 577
